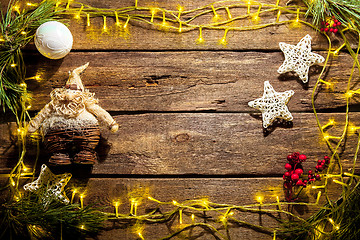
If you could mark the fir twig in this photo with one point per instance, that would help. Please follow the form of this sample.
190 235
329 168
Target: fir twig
17 28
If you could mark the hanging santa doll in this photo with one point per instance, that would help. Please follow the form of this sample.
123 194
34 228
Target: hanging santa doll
70 122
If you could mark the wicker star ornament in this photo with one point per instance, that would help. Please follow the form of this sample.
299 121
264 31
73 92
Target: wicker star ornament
273 104
49 186
299 58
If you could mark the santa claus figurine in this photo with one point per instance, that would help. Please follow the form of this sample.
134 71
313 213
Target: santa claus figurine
70 123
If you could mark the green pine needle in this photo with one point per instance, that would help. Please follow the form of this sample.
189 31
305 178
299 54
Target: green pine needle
17 28
346 11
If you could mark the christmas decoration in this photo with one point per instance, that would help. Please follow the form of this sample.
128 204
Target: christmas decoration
71 120
53 40
299 58
50 185
273 105
23 215
292 178
330 25
17 29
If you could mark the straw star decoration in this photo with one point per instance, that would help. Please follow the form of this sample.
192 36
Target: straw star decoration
273 104
299 58
50 186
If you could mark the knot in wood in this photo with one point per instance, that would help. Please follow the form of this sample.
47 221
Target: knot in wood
183 137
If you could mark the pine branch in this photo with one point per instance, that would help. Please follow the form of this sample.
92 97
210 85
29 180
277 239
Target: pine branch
346 11
18 29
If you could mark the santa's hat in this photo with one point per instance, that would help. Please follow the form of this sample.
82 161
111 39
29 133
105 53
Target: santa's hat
74 82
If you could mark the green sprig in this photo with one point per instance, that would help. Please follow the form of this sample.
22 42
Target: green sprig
18 29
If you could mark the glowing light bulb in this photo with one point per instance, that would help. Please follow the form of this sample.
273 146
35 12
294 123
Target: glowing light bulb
216 16
193 218
16 8
23 33
153 12
126 23
174 202
82 227
116 205
104 24
349 94
82 200
88 20
13 65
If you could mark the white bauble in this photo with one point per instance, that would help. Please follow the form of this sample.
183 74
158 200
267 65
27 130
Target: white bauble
53 40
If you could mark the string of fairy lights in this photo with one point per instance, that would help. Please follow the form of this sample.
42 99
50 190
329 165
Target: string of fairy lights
190 214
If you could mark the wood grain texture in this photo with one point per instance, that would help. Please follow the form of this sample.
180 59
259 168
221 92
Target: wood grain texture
144 37
206 144
230 191
186 81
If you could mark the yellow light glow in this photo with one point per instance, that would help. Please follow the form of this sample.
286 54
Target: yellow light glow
164 23
104 24
126 23
248 3
28 107
193 218
88 20
340 183
2 40
68 4
82 227
153 12
200 40
331 220
223 40
174 202
29 4
16 8
180 27
259 198
140 235
82 196
78 15
13 65
116 205
277 199
117 22
23 33
26 169
216 16
228 12
180 217
12 183
255 19
278 16
180 8
349 94
231 213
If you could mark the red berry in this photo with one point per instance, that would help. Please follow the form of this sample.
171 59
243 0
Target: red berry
317 177
294 177
335 20
327 24
310 172
339 23
310 176
299 183
302 157
321 29
305 181
284 177
326 29
334 25
288 166
319 162
333 17
331 29
336 30
326 158
299 171
287 174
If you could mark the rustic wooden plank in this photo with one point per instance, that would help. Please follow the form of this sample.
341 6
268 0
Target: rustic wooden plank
186 81
230 191
204 144
145 37
140 37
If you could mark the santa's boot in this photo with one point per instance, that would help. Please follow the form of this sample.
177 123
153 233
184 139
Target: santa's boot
85 157
60 159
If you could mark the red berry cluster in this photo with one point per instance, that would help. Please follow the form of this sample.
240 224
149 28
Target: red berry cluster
330 25
294 172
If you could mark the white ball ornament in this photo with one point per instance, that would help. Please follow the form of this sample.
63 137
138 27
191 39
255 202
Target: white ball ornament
53 40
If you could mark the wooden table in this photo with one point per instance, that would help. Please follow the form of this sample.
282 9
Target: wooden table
186 128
